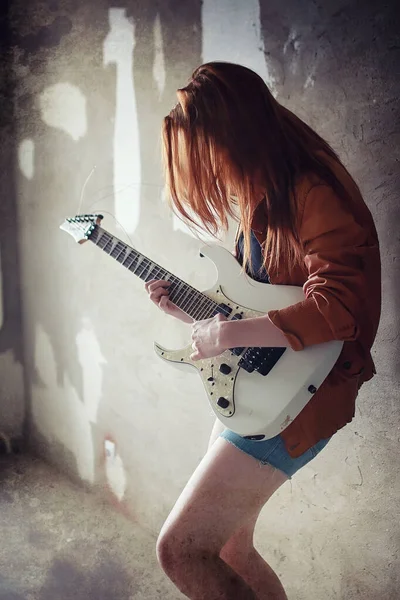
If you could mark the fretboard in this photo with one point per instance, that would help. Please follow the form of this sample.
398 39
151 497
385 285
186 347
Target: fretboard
191 301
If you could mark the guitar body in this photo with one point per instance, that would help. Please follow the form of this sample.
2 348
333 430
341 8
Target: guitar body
249 403
254 392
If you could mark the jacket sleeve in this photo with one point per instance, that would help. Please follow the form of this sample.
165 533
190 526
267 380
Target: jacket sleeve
335 288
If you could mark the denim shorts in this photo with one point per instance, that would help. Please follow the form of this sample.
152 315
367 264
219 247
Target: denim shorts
273 452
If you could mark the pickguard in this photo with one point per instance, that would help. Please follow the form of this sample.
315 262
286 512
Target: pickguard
218 383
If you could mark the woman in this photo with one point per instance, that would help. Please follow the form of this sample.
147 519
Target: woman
232 150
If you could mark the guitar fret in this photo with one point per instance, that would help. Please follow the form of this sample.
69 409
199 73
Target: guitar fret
133 264
198 310
102 239
109 243
115 248
118 248
121 255
162 273
177 293
204 310
120 251
143 265
131 258
139 262
182 291
148 276
191 301
193 307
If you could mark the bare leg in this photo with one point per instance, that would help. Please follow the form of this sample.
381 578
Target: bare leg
240 554
224 493
216 430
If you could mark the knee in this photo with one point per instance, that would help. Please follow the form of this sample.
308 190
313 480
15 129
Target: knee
176 556
166 551
237 555
172 553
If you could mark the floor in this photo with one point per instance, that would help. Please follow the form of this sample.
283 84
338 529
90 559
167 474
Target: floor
60 542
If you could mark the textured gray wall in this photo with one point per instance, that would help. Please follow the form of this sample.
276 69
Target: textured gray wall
92 82
12 405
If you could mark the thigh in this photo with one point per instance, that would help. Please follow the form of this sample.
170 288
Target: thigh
224 493
241 543
217 429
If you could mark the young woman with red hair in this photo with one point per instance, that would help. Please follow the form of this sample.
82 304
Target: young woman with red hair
231 149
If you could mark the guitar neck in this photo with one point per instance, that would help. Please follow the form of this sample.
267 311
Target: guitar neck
191 301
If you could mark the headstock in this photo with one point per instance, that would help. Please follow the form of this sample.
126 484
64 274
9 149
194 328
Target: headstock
81 226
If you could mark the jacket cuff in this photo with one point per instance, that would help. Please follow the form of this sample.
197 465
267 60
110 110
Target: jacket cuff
302 324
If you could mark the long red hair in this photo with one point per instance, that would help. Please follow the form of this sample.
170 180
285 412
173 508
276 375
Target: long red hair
225 137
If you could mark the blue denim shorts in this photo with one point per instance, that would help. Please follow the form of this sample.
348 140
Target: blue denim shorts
273 452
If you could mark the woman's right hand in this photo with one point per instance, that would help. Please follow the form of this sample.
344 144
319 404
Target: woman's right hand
158 293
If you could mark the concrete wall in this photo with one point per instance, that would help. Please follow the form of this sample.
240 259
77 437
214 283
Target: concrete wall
12 405
92 82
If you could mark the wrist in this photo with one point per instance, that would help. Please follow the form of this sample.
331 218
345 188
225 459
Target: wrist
257 331
226 334
185 318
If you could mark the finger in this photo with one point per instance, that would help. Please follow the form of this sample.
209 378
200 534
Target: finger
154 284
195 356
221 317
197 324
146 285
156 295
158 283
165 304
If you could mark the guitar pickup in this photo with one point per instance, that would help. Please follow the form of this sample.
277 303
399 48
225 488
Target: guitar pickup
244 364
237 351
262 360
224 309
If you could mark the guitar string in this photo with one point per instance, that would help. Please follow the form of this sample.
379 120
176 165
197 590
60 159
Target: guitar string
175 280
181 288
193 305
199 308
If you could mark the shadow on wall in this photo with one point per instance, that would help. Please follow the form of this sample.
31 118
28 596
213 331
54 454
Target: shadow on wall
56 151
68 119
10 327
160 67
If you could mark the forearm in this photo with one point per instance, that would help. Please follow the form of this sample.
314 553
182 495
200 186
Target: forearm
256 332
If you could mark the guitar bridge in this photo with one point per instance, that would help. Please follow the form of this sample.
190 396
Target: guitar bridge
262 360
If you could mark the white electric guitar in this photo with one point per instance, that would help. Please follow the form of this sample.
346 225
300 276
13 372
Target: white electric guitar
255 392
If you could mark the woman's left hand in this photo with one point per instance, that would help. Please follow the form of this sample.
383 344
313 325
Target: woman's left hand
206 338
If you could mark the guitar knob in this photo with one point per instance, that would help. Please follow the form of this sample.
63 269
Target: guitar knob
223 402
225 369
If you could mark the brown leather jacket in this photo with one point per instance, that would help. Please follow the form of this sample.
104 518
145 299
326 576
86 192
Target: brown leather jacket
341 279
